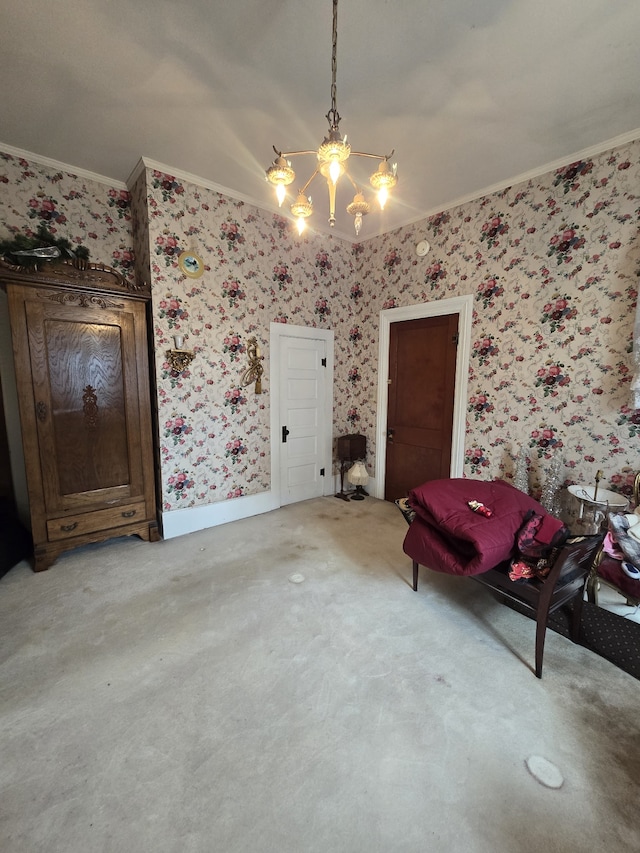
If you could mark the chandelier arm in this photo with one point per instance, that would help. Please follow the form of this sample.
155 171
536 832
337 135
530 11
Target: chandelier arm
353 183
296 153
386 157
309 181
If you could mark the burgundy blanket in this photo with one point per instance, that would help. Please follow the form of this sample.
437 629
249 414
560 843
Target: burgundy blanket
447 536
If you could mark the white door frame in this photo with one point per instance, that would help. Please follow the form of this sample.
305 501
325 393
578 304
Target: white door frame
277 331
461 305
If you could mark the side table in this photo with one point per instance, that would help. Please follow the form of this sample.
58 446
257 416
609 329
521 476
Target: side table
349 449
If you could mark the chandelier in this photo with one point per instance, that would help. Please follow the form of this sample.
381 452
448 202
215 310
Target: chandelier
332 156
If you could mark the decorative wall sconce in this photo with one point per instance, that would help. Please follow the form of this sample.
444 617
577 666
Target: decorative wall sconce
179 358
255 370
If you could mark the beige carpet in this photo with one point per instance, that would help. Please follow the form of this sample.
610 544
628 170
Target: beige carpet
276 685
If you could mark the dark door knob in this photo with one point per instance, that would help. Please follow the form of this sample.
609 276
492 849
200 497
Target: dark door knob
285 433
390 434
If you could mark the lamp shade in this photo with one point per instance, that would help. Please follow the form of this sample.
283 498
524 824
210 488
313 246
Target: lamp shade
357 474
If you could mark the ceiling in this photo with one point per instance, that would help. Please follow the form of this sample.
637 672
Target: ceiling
470 93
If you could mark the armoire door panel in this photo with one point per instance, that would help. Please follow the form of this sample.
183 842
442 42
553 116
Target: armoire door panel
88 403
81 386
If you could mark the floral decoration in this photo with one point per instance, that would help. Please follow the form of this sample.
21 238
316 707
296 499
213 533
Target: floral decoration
434 274
550 378
168 186
233 347
230 231
484 348
177 430
323 262
232 291
171 309
281 275
391 260
322 307
568 176
563 243
353 376
493 229
234 449
489 290
630 420
46 208
556 313
178 484
480 406
121 201
234 399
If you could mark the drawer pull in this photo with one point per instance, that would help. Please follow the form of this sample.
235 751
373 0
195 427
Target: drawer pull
69 527
129 514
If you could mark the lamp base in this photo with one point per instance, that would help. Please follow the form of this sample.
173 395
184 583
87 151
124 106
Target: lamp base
343 496
360 494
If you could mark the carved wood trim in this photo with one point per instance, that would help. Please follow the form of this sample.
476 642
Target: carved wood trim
84 300
90 407
74 273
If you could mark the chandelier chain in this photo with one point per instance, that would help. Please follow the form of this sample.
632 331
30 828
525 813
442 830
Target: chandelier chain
333 116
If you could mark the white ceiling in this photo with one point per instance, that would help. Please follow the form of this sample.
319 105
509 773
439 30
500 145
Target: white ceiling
470 93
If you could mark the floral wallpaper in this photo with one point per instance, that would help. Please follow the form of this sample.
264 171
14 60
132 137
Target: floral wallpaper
553 265
83 211
215 434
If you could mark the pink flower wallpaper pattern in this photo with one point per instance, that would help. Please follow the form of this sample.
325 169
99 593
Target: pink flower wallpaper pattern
86 212
256 272
553 265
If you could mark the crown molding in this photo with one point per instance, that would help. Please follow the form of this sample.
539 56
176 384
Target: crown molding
62 167
532 174
147 163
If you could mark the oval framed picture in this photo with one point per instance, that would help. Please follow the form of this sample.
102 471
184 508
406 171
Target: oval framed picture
191 264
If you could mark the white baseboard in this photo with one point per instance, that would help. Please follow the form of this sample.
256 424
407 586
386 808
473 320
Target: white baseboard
177 522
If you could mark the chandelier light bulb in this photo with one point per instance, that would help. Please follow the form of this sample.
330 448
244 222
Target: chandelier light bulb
335 171
280 193
358 208
301 209
383 195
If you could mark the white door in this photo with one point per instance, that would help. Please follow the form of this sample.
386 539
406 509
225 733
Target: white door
303 462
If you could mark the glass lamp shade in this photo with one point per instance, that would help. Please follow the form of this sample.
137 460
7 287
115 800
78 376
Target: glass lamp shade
357 474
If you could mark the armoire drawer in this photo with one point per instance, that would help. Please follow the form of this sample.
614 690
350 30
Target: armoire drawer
89 522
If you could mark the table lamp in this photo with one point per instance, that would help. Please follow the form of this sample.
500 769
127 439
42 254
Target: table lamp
358 477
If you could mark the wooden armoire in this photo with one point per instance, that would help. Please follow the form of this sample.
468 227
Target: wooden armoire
79 334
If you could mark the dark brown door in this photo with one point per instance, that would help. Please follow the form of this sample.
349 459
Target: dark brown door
422 368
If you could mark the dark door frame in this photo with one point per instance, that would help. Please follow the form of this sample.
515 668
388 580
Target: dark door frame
463 307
